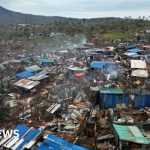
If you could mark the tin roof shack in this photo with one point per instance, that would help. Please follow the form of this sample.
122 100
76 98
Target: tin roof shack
28 136
26 84
111 97
129 137
142 100
109 69
54 142
98 68
46 62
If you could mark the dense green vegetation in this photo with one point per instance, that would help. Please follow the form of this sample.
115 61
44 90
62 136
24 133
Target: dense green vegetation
17 25
116 35
110 29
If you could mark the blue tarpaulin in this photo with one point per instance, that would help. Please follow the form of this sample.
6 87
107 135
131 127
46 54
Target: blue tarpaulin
97 64
55 143
25 74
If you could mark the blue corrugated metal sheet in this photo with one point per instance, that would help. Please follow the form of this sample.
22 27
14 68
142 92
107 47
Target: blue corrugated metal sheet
142 100
111 100
136 50
44 146
131 54
25 74
29 137
22 130
97 64
70 146
55 143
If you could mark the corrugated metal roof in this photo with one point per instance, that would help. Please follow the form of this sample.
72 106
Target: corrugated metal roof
140 73
131 134
136 50
131 54
33 68
142 100
29 139
97 64
39 76
111 90
4 141
75 68
27 84
22 130
11 142
46 60
141 64
28 136
55 143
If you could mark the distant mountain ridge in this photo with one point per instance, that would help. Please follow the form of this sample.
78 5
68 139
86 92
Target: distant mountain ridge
11 17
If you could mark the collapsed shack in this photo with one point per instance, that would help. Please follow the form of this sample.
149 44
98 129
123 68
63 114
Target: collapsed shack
25 84
68 117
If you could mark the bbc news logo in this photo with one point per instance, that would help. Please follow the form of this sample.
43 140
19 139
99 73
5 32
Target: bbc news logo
9 133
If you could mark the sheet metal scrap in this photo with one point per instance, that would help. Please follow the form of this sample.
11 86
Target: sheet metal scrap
27 84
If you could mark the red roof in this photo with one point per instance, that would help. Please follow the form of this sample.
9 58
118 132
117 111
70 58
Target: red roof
79 74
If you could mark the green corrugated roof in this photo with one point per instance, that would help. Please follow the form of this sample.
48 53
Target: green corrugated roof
48 60
111 90
33 68
131 134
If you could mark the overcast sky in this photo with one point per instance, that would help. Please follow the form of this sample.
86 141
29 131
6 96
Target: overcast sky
80 8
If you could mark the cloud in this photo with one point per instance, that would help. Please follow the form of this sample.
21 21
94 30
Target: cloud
80 8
